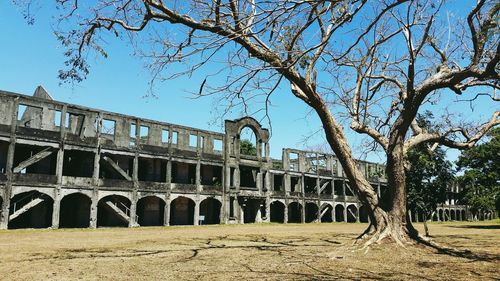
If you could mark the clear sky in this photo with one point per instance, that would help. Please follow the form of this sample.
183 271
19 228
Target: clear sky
30 56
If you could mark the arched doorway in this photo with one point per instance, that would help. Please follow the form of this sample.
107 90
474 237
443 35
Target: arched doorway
277 209
326 213
311 212
210 211
75 211
446 215
113 211
31 209
295 212
182 211
464 217
253 209
352 213
441 215
363 214
452 214
339 213
150 211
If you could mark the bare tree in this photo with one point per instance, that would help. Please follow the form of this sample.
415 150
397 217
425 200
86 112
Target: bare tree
373 64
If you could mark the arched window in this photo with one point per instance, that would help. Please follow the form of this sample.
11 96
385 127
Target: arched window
247 142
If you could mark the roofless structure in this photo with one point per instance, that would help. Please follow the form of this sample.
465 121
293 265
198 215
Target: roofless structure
64 165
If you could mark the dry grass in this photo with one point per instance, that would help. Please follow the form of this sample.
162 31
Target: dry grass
263 252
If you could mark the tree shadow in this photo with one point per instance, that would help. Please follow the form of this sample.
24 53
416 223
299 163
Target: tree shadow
488 226
460 253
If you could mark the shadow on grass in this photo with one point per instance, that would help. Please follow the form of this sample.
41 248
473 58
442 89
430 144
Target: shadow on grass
461 253
488 226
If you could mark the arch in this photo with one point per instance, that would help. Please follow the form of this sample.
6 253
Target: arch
210 210
182 211
32 209
75 211
339 213
452 215
363 214
326 213
108 214
294 212
446 215
248 141
1 206
277 210
441 215
352 213
150 211
311 212
253 209
463 215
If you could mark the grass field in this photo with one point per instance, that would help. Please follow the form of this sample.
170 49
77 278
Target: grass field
259 252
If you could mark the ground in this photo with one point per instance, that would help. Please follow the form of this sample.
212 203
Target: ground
259 251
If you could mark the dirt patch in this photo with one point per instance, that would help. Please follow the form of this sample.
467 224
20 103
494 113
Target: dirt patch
260 251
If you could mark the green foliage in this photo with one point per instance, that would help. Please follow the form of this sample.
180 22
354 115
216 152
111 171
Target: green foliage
247 148
429 174
481 179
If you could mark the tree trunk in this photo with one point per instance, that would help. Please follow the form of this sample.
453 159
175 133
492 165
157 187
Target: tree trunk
390 222
426 228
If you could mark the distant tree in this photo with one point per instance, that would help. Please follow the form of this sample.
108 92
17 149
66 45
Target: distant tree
248 148
370 66
428 175
481 178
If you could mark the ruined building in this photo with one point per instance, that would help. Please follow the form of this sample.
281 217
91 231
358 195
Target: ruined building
64 165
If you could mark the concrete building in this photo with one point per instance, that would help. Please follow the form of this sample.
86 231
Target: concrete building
64 165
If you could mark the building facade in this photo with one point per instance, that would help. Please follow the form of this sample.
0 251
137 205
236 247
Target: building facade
64 165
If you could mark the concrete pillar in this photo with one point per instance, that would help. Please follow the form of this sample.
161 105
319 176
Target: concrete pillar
236 178
345 211
4 217
285 213
241 212
357 212
268 210
303 212
93 209
56 208
287 182
166 212
198 176
196 218
133 210
333 212
169 172
57 191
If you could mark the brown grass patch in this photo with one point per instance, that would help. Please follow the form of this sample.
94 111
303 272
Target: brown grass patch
261 251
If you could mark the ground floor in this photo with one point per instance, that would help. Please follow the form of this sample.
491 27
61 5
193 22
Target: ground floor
48 207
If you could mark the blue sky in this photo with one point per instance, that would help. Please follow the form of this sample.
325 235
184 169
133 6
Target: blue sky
30 55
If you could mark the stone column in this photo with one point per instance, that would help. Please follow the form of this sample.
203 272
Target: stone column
268 210
333 213
196 219
357 213
345 211
285 213
166 212
57 192
93 209
303 212
133 199
4 218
